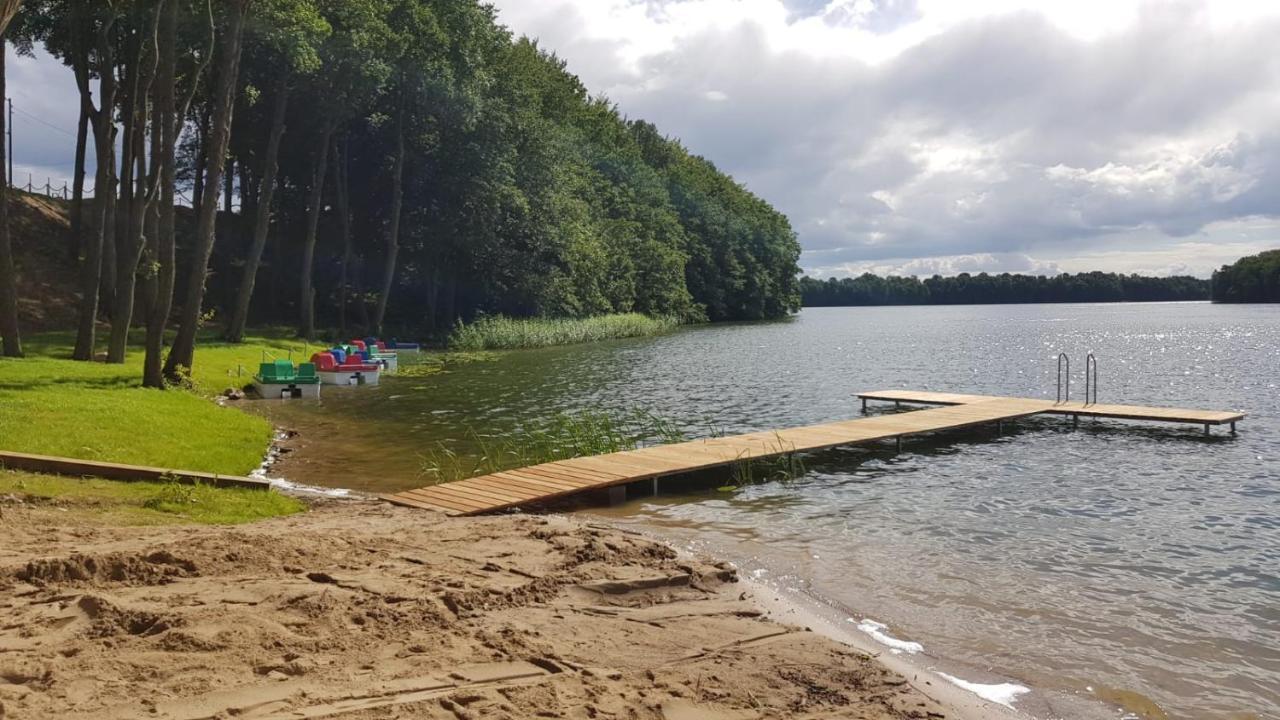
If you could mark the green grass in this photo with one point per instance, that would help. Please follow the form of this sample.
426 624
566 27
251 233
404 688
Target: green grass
52 405
504 333
147 503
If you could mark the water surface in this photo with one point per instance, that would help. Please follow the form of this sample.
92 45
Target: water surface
1121 557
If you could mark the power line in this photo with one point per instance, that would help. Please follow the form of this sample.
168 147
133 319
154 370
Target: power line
49 125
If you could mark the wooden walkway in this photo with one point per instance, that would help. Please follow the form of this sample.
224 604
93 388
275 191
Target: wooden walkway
538 483
1075 409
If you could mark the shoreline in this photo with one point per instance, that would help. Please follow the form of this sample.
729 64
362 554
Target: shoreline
356 608
941 679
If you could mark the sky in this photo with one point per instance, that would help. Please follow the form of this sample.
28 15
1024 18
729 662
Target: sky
923 136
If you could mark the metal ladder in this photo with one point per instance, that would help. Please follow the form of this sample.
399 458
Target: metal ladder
1090 380
1064 379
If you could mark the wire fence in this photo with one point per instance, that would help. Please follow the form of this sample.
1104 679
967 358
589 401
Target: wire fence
51 189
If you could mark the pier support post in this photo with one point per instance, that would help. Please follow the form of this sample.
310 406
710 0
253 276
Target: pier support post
1075 421
1233 427
899 442
864 406
655 485
1206 429
617 495
1000 427
897 405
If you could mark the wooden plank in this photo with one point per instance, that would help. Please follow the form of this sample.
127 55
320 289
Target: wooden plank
482 498
414 503
544 486
510 485
567 465
624 472
439 493
118 471
531 486
566 475
425 495
490 494
563 480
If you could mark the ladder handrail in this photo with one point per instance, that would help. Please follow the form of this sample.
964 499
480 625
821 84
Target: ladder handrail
1063 397
1090 380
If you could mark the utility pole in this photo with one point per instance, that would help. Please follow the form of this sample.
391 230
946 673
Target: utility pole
9 132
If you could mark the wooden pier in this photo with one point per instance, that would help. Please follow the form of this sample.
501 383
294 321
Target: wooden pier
548 481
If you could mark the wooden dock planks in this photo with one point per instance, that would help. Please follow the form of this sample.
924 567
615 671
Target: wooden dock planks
513 488
1116 412
538 483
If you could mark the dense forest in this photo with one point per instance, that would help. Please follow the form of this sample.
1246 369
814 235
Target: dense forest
371 165
1251 279
984 289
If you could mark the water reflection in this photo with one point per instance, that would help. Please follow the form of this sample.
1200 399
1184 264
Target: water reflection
1131 557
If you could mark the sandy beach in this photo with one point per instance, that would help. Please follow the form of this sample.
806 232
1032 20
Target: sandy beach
361 610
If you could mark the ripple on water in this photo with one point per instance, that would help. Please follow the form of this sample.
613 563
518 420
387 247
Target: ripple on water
1135 559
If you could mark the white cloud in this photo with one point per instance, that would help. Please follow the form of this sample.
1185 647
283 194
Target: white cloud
952 134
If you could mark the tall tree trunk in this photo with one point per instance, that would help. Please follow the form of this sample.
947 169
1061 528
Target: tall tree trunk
182 352
110 232
315 198
343 193
151 227
228 184
103 194
393 235
262 216
12 342
122 300
77 187
202 142
164 155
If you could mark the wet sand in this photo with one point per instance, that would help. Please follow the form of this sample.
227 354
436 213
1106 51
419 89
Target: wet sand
361 610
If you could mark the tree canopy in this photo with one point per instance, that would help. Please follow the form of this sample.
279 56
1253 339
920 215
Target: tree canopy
1252 279
405 163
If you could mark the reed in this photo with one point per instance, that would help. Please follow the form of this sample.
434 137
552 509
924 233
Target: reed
498 332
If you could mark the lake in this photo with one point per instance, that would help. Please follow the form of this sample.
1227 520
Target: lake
1135 562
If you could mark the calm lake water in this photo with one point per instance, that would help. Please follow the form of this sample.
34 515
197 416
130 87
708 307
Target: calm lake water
1138 562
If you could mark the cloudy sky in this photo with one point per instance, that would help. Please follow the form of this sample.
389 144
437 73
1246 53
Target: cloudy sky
922 136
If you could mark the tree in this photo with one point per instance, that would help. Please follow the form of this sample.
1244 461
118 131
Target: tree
280 46
182 351
12 341
354 57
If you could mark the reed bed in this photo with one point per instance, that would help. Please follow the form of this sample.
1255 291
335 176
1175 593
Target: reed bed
499 332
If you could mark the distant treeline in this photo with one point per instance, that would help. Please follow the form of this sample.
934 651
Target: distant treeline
1255 278
984 289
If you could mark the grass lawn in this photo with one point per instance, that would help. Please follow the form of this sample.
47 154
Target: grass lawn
52 405
145 503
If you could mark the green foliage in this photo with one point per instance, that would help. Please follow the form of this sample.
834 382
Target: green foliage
149 503
984 289
1251 279
563 436
522 193
51 405
504 333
